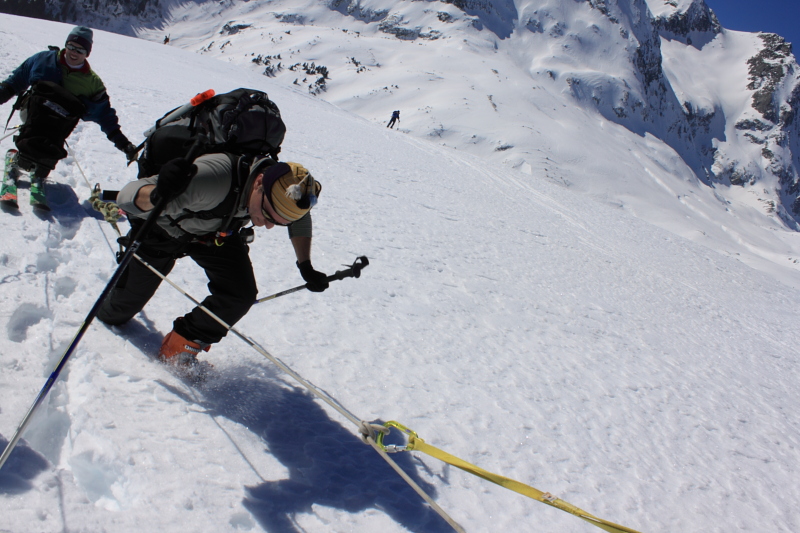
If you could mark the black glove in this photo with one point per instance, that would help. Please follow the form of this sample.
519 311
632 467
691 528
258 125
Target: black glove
316 281
173 179
131 152
6 93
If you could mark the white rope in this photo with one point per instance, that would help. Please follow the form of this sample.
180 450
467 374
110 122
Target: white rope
414 485
6 136
79 166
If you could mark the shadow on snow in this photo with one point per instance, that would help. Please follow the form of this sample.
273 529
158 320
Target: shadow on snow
22 466
328 464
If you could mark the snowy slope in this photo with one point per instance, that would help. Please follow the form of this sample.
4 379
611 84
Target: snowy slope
516 101
508 318
715 112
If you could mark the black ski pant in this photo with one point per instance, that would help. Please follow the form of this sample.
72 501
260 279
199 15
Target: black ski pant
231 283
38 170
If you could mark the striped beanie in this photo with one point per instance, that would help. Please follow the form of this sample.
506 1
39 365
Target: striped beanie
292 190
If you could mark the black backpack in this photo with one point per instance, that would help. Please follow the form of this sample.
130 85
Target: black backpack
51 113
241 122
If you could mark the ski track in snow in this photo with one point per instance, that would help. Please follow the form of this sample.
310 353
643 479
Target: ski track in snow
513 322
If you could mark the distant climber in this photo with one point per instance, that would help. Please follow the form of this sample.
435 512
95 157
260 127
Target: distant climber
166 39
395 118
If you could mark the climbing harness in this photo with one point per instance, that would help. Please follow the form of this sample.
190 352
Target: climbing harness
7 135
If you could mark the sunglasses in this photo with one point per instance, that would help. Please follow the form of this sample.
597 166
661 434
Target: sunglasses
76 49
266 214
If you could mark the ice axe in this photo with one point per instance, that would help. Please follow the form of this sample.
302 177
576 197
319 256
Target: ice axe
353 271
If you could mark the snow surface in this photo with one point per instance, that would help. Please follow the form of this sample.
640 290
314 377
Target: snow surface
509 319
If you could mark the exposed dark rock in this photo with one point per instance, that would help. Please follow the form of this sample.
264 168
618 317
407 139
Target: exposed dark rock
534 25
232 29
767 69
95 13
393 26
699 119
498 16
355 10
753 125
697 18
41 9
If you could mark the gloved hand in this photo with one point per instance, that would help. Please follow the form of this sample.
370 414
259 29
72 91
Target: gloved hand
6 93
316 281
173 179
131 152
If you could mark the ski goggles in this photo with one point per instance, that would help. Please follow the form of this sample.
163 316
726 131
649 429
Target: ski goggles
76 49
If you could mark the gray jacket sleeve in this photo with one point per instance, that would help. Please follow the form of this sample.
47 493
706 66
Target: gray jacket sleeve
301 227
208 188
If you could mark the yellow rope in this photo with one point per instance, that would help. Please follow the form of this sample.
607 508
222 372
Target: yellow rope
416 443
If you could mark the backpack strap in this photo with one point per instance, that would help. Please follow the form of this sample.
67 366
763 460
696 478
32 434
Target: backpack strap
18 104
241 166
228 207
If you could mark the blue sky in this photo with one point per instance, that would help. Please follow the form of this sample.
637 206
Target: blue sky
775 16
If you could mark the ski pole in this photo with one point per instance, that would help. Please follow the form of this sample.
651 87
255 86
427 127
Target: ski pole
354 271
123 263
6 136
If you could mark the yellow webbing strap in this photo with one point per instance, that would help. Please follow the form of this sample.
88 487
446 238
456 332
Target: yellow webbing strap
416 443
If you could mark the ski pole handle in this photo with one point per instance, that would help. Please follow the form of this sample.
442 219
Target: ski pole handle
354 271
